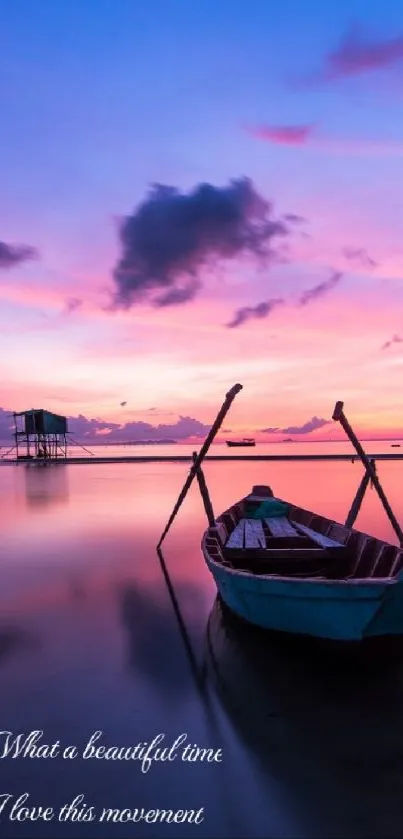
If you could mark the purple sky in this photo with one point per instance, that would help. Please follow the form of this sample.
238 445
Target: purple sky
111 293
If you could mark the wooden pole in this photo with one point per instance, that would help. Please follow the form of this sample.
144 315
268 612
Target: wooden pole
15 434
202 453
204 493
338 415
356 505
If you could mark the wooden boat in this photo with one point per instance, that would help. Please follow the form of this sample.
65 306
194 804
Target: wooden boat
304 573
297 572
247 441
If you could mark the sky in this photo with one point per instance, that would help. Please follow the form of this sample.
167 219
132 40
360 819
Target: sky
195 194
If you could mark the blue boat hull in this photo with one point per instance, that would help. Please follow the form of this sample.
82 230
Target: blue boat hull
334 609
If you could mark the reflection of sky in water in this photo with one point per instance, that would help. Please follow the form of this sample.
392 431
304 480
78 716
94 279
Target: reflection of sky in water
88 639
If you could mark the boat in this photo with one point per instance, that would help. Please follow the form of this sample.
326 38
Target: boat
246 441
279 566
395 445
304 573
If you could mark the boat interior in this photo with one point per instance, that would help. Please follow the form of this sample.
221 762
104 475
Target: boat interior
300 544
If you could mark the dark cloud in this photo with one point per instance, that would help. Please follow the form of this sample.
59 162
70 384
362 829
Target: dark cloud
172 236
306 428
283 135
93 429
359 256
176 296
358 54
261 310
395 339
12 255
82 427
72 304
319 290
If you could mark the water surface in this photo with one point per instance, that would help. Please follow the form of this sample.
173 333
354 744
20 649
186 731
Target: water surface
89 640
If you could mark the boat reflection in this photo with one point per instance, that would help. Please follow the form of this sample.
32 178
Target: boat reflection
323 722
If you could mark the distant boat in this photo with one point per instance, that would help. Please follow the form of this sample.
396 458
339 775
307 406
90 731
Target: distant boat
246 441
301 573
395 445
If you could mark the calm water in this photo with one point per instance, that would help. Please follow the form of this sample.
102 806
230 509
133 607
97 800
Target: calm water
186 449
312 740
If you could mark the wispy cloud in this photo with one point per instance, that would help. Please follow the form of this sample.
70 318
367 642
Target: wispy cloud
311 425
309 138
264 309
12 255
294 218
72 304
395 339
285 135
319 290
359 256
173 236
260 311
358 53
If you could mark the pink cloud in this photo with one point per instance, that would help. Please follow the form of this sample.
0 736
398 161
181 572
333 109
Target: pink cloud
358 54
307 137
285 135
72 304
360 257
396 339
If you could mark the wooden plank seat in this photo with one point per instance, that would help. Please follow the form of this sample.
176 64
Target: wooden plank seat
281 526
319 538
254 534
281 547
236 539
249 534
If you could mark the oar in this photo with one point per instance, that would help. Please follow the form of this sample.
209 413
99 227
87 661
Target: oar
202 453
339 416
